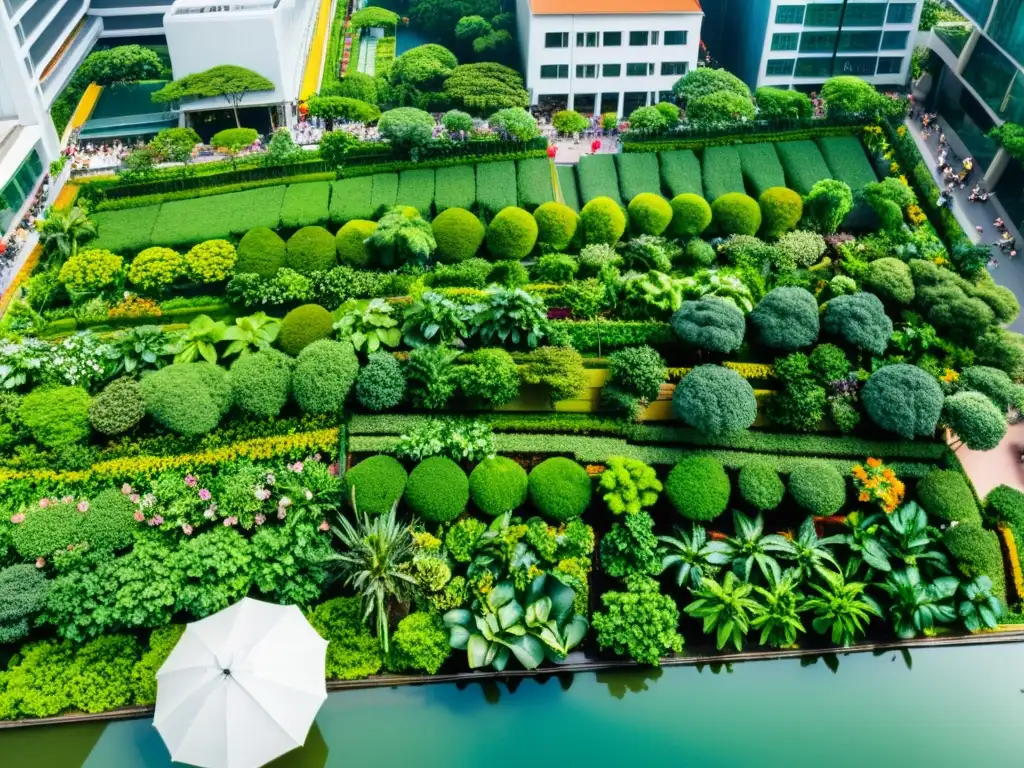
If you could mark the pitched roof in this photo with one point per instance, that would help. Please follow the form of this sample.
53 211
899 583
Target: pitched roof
584 7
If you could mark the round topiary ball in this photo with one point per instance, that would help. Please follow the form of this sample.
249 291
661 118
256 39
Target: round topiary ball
261 382
818 487
945 495
188 398
560 488
691 215
47 530
556 225
700 253
889 278
438 490
118 408
56 416
379 483
311 249
511 234
458 233
698 488
761 486
324 374
781 209
736 214
603 221
350 243
903 399
109 525
381 382
302 326
261 251
715 401
710 323
786 318
649 214
498 485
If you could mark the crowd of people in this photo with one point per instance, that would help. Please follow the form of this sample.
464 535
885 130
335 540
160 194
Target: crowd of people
91 156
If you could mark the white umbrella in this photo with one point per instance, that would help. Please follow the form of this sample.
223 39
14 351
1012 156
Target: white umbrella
241 687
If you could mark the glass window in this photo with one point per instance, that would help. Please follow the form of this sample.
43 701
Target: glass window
785 41
612 38
554 71
586 39
818 42
789 14
823 15
889 65
859 41
780 67
675 37
894 41
556 40
855 65
586 70
654 38
978 10
900 13
864 15
1007 27
636 70
817 66
997 81
611 70
673 67
638 38
19 188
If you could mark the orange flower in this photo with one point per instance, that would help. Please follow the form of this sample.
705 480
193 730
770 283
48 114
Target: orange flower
864 496
874 463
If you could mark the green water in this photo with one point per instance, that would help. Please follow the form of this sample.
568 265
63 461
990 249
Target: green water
955 707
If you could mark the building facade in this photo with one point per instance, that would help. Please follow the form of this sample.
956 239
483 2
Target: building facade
130 18
592 56
788 43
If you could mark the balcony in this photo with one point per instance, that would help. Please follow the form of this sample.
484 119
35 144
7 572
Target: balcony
65 62
953 35
57 29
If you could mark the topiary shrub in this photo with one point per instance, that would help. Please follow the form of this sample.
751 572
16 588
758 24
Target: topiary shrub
1006 505
302 326
419 644
699 253
818 487
188 398
560 488
311 249
781 209
438 490
378 482
56 416
261 382
735 213
556 225
860 320
890 279
903 399
511 234
154 269
23 591
602 221
806 248
489 377
715 401
381 382
975 420
498 485
118 408
698 488
261 251
46 530
976 552
996 385
324 374
691 215
458 233
350 243
945 495
211 262
556 268
109 525
649 214
761 486
710 323
786 318
91 269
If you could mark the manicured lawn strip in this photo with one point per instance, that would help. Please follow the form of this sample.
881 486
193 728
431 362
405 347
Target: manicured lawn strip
385 192
680 172
184 222
638 173
846 160
722 172
761 167
305 204
803 164
533 182
567 181
416 188
598 178
125 232
350 199
495 186
454 187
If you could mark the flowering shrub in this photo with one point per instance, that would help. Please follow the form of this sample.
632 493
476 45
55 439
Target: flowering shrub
92 270
211 262
133 305
877 483
156 268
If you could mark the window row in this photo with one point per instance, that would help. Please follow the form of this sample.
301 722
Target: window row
818 42
613 39
826 66
644 69
856 14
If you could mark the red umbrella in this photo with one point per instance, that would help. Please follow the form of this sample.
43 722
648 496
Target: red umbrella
594 146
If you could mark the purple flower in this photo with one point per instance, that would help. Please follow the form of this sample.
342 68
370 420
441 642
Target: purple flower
334 469
158 520
191 481
204 494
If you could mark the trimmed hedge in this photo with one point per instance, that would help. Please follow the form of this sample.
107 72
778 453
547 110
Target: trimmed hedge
350 243
302 326
533 183
945 495
649 214
458 233
638 173
187 398
818 487
680 172
496 187
567 183
416 189
735 213
311 249
698 488
691 215
261 382
324 374
352 199
803 164
761 486
598 178
512 234
305 204
378 482
722 172
384 193
602 221
560 489
261 251
498 485
847 161
454 187
185 222
761 167
556 225
976 552
56 416
437 490
125 232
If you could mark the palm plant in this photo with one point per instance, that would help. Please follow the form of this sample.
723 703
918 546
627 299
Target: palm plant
751 547
692 556
726 609
810 552
62 231
862 539
256 330
841 609
907 538
917 606
374 562
783 602
980 609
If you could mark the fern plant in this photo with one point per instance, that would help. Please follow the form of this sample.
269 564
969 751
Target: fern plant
726 608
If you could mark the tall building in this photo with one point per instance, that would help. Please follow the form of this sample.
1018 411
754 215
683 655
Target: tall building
130 18
606 55
789 43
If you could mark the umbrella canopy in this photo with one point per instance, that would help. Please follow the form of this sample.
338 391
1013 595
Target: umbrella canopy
241 687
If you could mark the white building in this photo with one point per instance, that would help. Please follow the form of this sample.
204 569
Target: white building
130 18
606 55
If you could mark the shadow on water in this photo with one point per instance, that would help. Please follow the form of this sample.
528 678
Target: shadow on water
619 683
492 689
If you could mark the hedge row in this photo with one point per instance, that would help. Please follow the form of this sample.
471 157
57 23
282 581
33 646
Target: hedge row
722 172
637 174
306 204
350 199
384 193
803 164
680 172
416 189
735 139
847 161
533 183
454 187
761 167
567 183
598 178
495 187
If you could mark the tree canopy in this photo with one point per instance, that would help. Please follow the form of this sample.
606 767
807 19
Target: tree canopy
373 16
174 144
438 19
226 80
704 81
122 64
485 87
332 108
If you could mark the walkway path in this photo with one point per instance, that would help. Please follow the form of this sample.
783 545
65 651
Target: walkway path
367 54
1000 466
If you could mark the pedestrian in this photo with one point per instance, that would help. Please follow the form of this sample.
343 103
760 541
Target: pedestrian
595 145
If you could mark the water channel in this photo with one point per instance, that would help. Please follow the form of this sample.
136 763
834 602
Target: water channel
959 707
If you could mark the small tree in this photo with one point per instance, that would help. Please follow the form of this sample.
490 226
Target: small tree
282 149
903 399
234 140
407 127
331 108
138 165
720 107
334 145
121 64
63 230
514 123
175 145
826 205
975 420
457 122
372 16
704 81
485 87
568 121
227 80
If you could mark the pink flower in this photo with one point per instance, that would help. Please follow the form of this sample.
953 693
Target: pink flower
83 506
149 499
18 518
126 489
296 467
229 521
139 516
334 469
316 457
260 518
281 513
158 520
325 526
271 479
261 493
68 499
209 513
284 502
134 498
191 481
204 494
151 522
186 529
40 562
309 494
44 503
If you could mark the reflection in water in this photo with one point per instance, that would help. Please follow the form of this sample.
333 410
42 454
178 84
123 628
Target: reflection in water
830 659
628 681
908 660
716 667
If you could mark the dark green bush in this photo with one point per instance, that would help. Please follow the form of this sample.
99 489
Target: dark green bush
698 488
555 268
649 214
311 249
945 495
556 225
379 483
993 383
976 552
302 326
511 234
459 235
828 363
188 398
261 382
489 377
761 486
710 323
56 416
602 221
350 243
859 319
438 490
715 401
381 382
261 251
818 487
497 486
903 399
700 253
1005 504
560 488
638 371
975 420
324 374
110 524
23 590
691 215
735 213
118 408
786 318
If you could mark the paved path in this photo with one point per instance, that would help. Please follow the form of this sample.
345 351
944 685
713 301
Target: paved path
367 55
1000 466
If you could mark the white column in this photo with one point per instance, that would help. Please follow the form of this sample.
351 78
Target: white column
995 169
965 54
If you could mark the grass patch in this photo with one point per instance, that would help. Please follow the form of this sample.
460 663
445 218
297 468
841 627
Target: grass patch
125 232
185 222
454 187
305 204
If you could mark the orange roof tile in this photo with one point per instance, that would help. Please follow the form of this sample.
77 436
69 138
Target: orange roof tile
582 7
